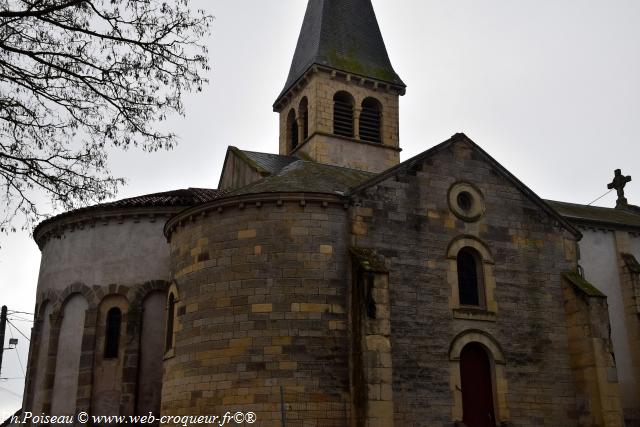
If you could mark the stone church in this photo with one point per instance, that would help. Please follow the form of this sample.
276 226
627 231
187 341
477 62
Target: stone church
333 285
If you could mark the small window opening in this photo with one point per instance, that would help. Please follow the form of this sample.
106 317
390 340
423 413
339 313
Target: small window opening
469 277
171 312
465 201
304 116
292 130
112 333
370 120
343 114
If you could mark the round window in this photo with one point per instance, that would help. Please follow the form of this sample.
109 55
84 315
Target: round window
466 201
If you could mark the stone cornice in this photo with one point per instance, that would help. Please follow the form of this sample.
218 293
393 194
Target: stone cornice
299 84
81 219
245 201
295 151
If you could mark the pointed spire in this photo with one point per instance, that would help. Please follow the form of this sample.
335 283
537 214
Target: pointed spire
343 35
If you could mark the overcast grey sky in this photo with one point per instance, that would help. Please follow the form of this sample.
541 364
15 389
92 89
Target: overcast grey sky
551 89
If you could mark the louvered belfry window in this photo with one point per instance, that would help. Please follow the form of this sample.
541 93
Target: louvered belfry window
112 333
343 114
292 130
304 116
370 121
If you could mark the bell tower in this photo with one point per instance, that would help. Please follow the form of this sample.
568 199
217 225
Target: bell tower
339 105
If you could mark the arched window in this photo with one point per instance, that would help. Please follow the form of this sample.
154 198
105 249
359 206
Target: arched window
292 130
469 277
112 333
370 120
304 116
171 313
343 114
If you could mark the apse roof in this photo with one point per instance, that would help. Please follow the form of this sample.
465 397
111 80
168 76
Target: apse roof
596 215
343 35
266 162
181 198
308 177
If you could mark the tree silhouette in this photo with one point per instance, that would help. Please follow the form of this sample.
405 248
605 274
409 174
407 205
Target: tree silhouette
79 76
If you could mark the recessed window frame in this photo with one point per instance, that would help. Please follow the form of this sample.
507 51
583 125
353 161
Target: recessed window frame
112 333
488 307
343 114
370 122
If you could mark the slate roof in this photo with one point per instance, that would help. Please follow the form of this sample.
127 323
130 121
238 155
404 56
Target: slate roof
596 215
582 285
182 198
343 35
267 162
308 177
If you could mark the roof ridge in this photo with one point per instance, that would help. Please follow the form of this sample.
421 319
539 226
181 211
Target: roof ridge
459 137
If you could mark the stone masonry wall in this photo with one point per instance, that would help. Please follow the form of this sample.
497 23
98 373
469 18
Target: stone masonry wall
408 221
319 90
262 304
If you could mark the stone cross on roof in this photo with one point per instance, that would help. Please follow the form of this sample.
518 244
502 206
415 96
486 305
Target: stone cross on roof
618 183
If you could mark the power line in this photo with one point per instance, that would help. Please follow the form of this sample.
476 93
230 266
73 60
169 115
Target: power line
600 197
25 337
21 319
17 352
19 312
10 392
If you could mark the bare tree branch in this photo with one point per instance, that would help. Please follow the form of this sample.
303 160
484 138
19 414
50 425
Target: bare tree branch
79 76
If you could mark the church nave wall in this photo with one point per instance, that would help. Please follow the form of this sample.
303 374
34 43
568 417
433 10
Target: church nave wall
409 221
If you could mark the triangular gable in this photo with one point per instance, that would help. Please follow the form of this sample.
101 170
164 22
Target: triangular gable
241 168
461 137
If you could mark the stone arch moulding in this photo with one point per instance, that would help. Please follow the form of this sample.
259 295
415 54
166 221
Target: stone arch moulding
467 240
490 307
138 295
498 372
73 289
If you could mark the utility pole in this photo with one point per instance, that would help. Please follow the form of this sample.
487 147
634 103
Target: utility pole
3 325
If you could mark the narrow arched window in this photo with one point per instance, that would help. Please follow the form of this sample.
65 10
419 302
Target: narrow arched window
171 313
370 121
292 130
469 277
343 114
112 333
304 116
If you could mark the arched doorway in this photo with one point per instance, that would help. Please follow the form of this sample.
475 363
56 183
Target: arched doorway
477 387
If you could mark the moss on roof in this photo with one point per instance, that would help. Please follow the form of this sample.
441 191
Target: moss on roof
307 177
264 163
582 285
343 35
596 215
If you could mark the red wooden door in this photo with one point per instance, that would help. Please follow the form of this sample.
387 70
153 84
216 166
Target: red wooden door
477 390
